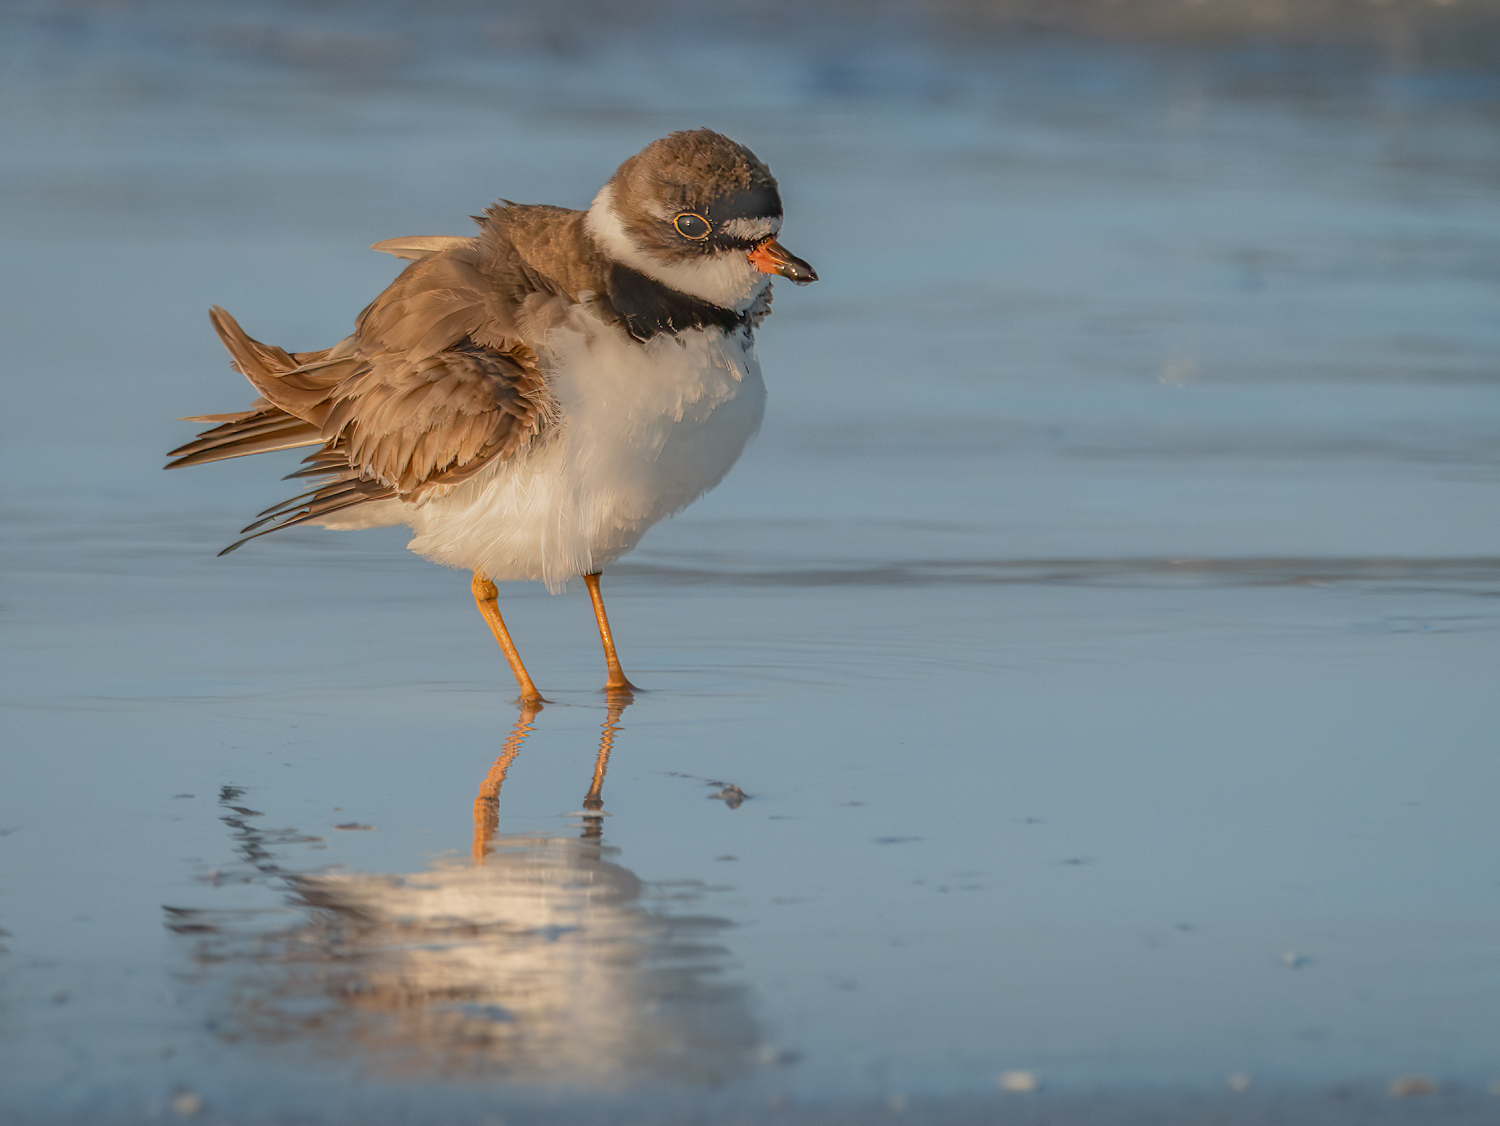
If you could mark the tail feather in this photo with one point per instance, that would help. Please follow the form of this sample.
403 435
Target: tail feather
297 391
300 384
232 416
253 432
333 497
295 387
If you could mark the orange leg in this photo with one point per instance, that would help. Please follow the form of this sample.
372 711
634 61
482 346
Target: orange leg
485 597
617 681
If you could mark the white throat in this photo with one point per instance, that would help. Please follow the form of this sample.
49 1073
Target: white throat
726 279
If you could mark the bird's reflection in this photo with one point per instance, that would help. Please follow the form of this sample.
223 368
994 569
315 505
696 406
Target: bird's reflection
542 959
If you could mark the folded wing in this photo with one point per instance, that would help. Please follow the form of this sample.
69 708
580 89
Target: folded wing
409 405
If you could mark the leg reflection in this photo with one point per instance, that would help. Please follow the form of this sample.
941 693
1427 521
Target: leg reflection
487 803
548 965
593 801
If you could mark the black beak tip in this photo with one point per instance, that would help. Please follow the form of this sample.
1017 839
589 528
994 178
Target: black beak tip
802 273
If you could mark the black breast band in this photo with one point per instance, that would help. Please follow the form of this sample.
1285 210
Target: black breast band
645 307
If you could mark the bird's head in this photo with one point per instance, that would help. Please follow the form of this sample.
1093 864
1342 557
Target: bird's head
700 214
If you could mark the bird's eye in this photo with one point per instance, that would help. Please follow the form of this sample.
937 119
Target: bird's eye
692 225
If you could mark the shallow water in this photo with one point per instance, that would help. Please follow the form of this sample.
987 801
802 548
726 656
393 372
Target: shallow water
1087 674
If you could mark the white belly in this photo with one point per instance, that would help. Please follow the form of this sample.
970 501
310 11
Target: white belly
646 430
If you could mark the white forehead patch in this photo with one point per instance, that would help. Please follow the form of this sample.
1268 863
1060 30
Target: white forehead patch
755 229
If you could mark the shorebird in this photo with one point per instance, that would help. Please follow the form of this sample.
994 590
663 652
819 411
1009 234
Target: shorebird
532 399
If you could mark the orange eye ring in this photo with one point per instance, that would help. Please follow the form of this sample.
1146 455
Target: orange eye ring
691 225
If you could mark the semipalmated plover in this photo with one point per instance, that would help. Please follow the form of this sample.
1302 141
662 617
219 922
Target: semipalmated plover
532 399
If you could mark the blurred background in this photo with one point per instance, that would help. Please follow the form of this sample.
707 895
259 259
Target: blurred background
1175 234
1102 626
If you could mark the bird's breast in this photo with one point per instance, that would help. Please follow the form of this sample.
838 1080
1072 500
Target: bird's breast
643 430
658 422
596 368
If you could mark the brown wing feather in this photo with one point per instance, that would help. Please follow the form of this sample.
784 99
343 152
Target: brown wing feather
409 404
435 303
251 432
333 497
438 421
297 385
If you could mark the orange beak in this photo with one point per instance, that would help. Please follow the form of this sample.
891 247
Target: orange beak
770 257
